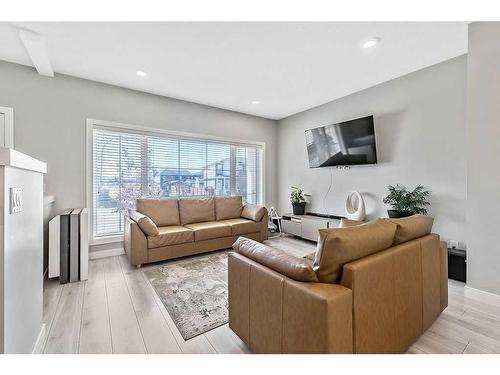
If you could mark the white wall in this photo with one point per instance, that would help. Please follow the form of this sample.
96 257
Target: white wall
50 118
420 130
483 176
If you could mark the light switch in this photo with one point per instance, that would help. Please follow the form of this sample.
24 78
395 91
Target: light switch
16 200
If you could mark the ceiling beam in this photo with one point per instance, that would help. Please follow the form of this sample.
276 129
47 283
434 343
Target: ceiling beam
35 46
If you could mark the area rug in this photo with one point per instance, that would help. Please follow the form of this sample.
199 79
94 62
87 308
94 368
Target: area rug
194 292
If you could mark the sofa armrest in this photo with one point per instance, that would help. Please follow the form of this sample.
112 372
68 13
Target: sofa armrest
145 223
264 227
272 313
317 318
258 214
253 212
276 259
135 242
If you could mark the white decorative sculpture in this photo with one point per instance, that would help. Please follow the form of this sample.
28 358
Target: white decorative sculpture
355 206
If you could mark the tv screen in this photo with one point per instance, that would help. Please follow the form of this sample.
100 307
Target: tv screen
346 143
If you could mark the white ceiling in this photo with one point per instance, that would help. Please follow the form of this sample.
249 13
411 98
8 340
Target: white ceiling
287 66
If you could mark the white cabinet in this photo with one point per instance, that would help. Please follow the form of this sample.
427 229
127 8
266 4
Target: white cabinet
308 226
292 227
21 252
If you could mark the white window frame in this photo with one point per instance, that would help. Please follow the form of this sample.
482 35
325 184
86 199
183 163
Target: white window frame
91 124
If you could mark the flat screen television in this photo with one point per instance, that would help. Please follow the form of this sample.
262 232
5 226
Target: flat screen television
345 143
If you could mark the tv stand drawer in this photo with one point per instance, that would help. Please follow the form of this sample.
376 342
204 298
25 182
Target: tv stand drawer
310 229
292 227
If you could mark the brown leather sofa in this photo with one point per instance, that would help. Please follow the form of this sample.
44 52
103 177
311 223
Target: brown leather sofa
160 229
371 288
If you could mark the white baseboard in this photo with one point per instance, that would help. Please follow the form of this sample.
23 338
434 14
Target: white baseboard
106 253
37 349
482 292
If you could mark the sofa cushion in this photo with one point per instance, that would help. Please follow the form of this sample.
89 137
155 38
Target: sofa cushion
163 212
339 246
279 261
242 226
310 256
409 228
346 223
144 222
209 230
228 208
196 210
171 235
253 212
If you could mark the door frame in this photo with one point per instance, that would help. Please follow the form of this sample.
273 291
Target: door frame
8 131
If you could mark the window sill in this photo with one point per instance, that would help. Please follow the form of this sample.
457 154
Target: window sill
106 240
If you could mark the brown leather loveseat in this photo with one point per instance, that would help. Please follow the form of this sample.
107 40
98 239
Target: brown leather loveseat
371 288
160 229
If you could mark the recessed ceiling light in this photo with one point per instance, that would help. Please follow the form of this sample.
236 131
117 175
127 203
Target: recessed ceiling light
141 73
370 43
255 102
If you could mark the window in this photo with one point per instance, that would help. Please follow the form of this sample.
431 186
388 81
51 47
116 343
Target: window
128 165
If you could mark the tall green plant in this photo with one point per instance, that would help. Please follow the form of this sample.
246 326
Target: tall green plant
400 199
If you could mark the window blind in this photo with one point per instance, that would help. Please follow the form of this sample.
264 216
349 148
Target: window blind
128 165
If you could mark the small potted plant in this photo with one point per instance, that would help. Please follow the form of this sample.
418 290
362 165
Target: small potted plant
298 201
406 203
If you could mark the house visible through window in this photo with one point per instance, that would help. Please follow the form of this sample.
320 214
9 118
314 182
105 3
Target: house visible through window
128 165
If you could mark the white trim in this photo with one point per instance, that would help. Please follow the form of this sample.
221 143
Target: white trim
94 123
12 158
89 182
38 347
263 175
179 134
105 240
106 253
9 126
489 294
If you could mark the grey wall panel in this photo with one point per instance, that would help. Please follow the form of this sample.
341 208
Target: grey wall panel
421 139
51 114
483 179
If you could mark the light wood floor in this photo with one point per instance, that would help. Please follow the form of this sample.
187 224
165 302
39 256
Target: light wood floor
117 311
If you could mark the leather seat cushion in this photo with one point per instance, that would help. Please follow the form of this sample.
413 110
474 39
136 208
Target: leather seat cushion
171 235
276 259
310 256
253 212
228 208
242 226
411 227
339 246
196 210
163 212
209 230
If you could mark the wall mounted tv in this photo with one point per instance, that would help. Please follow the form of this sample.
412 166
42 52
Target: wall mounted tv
345 143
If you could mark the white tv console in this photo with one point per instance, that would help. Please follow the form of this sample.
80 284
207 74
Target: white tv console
308 225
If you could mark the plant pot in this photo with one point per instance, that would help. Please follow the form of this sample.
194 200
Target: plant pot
394 214
299 208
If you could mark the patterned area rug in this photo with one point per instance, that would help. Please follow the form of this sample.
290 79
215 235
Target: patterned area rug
194 292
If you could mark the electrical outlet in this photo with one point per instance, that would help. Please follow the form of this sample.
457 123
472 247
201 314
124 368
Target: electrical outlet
16 200
453 244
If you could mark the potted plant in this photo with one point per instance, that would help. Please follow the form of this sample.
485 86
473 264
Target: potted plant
406 203
298 201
